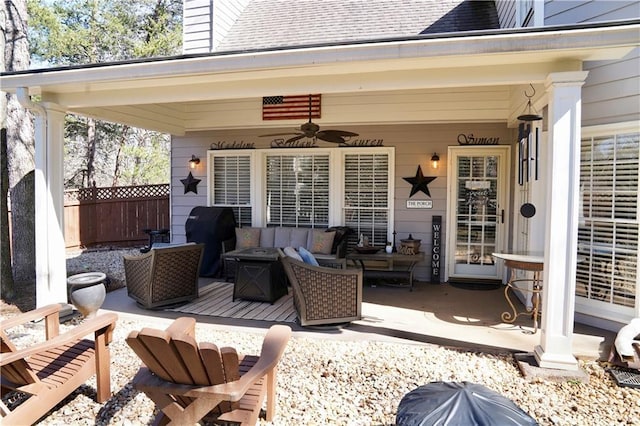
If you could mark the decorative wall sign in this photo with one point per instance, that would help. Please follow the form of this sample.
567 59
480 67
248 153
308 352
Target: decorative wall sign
419 204
471 140
311 143
436 225
419 182
190 184
477 184
363 143
298 143
232 145
478 198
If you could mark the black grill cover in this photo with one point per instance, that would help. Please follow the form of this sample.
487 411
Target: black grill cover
211 226
459 403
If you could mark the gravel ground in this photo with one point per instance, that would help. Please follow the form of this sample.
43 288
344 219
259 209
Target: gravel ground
325 382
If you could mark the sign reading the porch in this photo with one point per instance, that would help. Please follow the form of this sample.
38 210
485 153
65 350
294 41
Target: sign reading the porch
419 204
232 145
472 140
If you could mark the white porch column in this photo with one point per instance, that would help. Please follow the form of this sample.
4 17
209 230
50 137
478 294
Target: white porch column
51 268
561 235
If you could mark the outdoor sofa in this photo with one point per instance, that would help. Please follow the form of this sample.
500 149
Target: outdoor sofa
329 246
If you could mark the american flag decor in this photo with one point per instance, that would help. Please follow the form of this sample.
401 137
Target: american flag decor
290 107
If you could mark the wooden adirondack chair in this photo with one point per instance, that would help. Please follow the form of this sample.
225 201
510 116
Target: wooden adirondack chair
190 381
49 371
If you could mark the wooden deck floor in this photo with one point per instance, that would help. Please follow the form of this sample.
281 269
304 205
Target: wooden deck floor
216 300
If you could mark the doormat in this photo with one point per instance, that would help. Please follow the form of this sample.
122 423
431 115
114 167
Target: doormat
625 378
475 284
216 300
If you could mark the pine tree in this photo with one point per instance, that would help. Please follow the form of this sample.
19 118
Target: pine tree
71 32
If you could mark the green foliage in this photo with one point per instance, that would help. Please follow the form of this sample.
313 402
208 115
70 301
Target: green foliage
72 32
145 162
75 32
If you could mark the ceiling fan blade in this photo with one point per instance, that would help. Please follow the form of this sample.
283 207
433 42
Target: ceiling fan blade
341 132
335 136
279 134
330 137
295 138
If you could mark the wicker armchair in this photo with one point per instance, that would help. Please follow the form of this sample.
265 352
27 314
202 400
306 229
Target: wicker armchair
164 276
324 295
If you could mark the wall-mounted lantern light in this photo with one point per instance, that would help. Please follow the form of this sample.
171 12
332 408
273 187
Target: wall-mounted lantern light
435 160
194 161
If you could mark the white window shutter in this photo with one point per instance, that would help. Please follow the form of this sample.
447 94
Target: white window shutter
608 231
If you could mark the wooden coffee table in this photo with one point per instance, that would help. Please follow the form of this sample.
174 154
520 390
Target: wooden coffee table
399 266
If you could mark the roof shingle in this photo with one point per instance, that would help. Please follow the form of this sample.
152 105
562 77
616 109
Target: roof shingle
286 23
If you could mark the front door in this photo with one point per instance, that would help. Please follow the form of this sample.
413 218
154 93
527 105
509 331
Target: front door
477 187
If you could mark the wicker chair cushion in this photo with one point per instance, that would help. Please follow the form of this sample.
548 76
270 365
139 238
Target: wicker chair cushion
322 241
247 237
307 257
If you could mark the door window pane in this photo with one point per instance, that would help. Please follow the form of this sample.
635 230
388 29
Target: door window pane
477 186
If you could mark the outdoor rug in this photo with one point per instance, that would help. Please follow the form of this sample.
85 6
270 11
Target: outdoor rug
215 300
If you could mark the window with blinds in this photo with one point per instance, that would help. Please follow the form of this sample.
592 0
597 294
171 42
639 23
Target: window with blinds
366 196
297 190
231 185
608 231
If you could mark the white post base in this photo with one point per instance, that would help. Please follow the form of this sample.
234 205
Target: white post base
559 361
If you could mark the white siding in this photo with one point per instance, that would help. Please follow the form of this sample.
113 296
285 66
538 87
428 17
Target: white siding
197 31
506 13
487 104
415 144
206 22
559 12
611 92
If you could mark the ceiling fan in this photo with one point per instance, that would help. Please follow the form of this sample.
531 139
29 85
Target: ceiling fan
312 131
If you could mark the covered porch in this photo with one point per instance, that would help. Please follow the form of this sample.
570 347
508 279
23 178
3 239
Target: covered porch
464 317
476 80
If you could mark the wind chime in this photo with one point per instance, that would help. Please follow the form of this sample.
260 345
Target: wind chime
528 143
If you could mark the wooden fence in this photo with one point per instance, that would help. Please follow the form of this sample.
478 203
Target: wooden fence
114 215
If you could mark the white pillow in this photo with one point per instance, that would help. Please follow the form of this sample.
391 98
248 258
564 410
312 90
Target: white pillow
291 252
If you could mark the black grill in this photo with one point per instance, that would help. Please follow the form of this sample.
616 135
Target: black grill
211 226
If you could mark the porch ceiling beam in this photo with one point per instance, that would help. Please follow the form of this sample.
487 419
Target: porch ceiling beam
521 47
136 117
246 85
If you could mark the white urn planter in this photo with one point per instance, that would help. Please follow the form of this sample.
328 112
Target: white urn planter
87 292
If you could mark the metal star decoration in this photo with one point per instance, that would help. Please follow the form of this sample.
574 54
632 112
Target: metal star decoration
419 182
190 184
